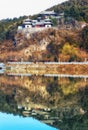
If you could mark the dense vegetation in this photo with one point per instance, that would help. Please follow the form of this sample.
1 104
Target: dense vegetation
63 45
77 9
8 27
84 36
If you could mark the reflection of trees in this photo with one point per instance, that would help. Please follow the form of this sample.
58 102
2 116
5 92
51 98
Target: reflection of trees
71 85
47 92
78 122
39 89
52 87
83 98
8 103
77 116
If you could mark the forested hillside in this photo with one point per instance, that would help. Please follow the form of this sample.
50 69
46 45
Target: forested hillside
51 44
8 27
77 9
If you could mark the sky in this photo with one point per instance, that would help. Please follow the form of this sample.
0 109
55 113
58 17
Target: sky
11 122
17 8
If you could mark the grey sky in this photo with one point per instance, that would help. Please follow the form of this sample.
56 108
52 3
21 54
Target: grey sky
16 8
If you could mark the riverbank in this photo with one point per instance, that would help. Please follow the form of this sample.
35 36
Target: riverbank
40 68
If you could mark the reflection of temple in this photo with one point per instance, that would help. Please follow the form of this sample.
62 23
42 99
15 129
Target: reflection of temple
49 99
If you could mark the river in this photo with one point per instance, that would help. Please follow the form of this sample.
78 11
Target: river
47 102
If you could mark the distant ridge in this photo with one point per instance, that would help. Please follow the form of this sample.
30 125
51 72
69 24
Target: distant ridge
77 9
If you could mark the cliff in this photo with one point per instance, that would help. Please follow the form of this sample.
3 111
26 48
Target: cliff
51 44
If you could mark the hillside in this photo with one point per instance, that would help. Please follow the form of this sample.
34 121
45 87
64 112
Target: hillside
77 9
8 27
48 45
51 44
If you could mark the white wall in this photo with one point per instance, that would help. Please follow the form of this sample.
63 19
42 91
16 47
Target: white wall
47 26
28 26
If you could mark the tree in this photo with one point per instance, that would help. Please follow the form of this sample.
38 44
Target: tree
54 50
84 36
54 21
74 12
70 50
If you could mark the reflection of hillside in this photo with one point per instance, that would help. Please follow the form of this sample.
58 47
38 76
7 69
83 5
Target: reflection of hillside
31 84
71 85
49 99
39 89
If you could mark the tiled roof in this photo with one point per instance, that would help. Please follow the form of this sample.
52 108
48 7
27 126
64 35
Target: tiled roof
48 12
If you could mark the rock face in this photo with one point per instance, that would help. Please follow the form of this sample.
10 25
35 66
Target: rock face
43 45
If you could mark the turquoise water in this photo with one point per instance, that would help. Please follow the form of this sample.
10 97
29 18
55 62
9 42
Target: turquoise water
11 122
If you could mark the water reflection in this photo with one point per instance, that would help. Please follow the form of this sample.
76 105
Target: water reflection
10 122
58 102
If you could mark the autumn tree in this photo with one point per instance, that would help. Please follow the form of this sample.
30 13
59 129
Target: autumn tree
84 35
70 50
